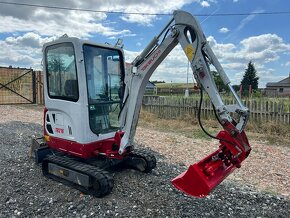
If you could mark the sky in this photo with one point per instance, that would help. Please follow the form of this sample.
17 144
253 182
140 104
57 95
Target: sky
236 40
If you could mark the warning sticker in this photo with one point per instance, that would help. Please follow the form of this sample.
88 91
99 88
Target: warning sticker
189 51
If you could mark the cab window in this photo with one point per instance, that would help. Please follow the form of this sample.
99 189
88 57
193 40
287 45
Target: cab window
61 72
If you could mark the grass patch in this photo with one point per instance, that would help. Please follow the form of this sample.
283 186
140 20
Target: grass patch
174 85
270 133
186 126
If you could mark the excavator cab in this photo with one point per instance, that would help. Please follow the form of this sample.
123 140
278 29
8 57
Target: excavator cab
85 84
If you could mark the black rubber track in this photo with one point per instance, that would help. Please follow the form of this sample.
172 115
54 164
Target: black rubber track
101 183
147 156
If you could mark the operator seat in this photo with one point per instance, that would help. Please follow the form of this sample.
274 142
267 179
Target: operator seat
71 89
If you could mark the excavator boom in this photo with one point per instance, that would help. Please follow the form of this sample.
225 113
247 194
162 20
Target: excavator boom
184 29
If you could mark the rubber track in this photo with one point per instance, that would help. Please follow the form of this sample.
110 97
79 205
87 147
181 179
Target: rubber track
103 179
147 156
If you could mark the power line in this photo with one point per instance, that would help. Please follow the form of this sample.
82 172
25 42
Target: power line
79 9
140 13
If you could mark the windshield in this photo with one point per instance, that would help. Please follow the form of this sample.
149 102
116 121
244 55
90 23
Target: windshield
105 76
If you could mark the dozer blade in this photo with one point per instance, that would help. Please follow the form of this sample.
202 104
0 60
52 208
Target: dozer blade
202 177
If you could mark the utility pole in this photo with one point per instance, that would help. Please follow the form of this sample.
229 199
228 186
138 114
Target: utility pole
186 94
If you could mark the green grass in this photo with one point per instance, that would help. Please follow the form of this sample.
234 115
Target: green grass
188 127
271 133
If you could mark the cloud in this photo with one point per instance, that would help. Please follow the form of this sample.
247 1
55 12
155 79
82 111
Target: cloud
56 22
261 49
19 56
173 68
145 20
287 64
233 66
28 28
265 41
25 51
73 23
221 50
30 40
147 7
268 75
53 22
224 30
204 4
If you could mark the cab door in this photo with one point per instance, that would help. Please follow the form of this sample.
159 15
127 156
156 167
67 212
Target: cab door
61 92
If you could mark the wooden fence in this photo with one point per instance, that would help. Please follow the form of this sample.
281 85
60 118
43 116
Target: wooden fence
39 88
261 111
21 86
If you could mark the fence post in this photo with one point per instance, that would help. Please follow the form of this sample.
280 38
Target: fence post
288 114
33 87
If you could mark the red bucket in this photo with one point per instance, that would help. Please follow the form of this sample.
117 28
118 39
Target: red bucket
202 177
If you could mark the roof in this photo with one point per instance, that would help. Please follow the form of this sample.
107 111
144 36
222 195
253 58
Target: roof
269 85
283 83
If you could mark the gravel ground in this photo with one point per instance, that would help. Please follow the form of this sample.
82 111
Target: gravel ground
26 193
266 169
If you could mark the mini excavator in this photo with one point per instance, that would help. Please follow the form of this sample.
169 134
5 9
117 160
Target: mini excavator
92 108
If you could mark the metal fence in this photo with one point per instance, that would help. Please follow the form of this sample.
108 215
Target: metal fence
260 110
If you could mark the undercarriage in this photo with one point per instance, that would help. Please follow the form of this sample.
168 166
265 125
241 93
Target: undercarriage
90 176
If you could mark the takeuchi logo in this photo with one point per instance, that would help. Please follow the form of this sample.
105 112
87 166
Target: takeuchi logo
151 60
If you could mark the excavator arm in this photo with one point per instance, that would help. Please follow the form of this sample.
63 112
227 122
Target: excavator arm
184 29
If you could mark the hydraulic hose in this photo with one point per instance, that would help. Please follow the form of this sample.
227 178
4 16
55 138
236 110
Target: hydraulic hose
200 124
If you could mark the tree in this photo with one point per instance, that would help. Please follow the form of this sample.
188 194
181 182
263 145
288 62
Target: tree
56 68
157 81
250 78
219 82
